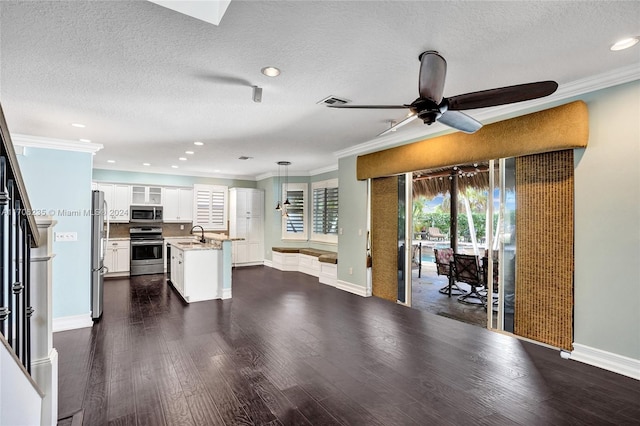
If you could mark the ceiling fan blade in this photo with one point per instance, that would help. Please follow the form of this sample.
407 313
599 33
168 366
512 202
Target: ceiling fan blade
393 128
461 121
502 95
433 70
370 106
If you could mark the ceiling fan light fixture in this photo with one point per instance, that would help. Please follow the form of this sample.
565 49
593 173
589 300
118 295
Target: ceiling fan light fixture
625 44
270 71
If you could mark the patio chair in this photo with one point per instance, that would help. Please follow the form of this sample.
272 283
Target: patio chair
443 258
485 270
434 233
467 270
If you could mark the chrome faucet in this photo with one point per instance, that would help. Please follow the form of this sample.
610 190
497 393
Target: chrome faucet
202 240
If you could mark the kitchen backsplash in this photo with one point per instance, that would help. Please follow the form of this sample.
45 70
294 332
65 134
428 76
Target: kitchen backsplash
121 230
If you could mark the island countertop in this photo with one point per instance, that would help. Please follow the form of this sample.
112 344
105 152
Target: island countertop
196 245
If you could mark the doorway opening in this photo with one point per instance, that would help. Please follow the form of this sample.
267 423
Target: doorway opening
463 231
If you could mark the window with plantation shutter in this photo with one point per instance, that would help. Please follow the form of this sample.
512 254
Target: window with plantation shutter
210 207
324 211
294 218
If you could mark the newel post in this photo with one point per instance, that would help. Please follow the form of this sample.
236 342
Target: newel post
44 357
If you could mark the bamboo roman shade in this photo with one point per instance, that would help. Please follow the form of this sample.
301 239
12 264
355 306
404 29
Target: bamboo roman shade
384 238
544 248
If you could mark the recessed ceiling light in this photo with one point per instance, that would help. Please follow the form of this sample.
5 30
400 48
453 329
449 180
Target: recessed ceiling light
182 159
78 125
198 143
174 167
216 171
189 152
625 44
85 140
111 161
270 71
146 164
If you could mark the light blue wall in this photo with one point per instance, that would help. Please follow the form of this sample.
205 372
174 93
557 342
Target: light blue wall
352 216
56 181
116 176
607 224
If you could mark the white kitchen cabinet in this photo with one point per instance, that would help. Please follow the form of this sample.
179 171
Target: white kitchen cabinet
118 198
117 257
246 221
177 270
178 205
174 240
197 274
146 195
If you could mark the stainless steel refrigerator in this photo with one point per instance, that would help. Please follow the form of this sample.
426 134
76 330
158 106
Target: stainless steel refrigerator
99 237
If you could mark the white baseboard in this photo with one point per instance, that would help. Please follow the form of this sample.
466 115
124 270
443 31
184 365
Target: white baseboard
353 288
45 373
226 293
72 322
607 360
240 265
268 263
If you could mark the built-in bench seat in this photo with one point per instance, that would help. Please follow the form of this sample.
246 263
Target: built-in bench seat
319 263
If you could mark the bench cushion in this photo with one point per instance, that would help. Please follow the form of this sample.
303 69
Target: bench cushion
286 249
314 252
324 256
329 258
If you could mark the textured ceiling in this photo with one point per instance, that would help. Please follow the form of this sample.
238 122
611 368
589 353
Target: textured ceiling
147 81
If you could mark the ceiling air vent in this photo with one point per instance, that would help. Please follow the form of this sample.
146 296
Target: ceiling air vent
244 157
333 100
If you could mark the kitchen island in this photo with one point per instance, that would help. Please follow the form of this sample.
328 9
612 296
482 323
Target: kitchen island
201 271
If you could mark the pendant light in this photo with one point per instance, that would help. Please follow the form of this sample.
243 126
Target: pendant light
286 185
278 188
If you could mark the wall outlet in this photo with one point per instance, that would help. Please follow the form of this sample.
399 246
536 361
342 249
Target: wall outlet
66 236
350 270
340 231
181 227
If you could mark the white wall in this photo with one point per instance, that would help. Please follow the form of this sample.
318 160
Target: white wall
20 403
607 224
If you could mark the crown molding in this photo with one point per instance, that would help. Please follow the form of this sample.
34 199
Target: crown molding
321 170
50 143
267 175
173 172
564 92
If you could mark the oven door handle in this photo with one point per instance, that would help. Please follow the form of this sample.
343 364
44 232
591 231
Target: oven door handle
146 243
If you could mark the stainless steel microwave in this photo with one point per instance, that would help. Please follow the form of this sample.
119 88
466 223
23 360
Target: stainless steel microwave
145 214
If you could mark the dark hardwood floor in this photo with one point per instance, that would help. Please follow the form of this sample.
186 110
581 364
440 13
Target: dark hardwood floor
288 350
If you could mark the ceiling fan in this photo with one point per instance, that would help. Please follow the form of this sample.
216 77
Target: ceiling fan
432 106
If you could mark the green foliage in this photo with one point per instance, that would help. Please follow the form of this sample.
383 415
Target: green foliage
442 222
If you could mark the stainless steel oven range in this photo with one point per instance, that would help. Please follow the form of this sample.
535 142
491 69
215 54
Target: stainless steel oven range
146 250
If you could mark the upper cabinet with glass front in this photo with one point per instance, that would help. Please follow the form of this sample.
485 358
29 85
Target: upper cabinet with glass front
146 195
